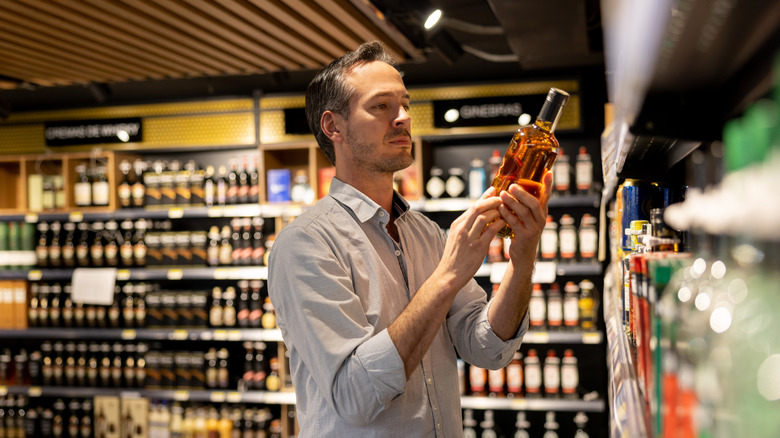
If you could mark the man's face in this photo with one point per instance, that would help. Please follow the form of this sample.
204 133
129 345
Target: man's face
378 130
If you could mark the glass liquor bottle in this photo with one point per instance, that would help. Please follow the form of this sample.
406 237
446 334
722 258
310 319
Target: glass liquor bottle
125 189
532 151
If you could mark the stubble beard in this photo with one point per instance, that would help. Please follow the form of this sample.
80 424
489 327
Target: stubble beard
363 151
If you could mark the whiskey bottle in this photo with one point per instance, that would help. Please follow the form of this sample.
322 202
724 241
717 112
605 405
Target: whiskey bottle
68 251
584 171
139 188
111 250
532 151
216 311
96 249
232 182
221 185
243 182
209 187
168 182
100 188
253 181
125 189
55 249
258 248
82 189
139 243
126 243
183 179
82 248
562 174
42 249
225 248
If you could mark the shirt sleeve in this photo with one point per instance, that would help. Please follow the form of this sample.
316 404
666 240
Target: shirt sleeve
474 338
356 369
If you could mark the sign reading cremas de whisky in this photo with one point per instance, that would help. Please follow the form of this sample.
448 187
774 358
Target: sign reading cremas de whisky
487 111
77 132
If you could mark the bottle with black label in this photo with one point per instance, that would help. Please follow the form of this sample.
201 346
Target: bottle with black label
42 249
68 251
138 187
111 250
55 300
152 180
253 181
96 248
232 182
139 243
243 182
182 180
55 249
168 182
125 189
242 304
258 248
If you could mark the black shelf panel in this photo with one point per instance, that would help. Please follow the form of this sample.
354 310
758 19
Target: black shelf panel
144 334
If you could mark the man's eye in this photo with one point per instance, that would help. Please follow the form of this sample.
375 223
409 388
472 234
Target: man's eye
381 105
407 108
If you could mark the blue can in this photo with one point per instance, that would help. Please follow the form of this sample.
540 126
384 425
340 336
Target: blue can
278 185
636 207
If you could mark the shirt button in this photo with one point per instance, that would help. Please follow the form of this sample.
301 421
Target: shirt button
438 426
381 214
430 381
397 252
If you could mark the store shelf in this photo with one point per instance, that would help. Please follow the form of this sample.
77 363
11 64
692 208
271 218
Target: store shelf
148 274
562 337
227 211
144 334
532 404
546 272
676 73
216 396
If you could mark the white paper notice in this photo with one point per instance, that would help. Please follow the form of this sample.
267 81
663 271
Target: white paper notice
94 285
543 274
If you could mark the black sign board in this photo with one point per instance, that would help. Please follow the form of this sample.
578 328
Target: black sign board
77 132
486 111
295 122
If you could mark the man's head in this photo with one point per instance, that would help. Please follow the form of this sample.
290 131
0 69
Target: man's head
330 90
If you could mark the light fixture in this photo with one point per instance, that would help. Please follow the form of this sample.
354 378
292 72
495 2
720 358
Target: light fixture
432 20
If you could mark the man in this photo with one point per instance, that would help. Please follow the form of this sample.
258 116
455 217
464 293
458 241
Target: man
374 304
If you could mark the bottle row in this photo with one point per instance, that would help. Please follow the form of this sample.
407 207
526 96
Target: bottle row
104 416
523 428
564 242
574 308
141 304
130 365
471 182
149 243
556 377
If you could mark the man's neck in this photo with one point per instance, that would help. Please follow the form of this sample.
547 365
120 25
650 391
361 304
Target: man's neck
378 187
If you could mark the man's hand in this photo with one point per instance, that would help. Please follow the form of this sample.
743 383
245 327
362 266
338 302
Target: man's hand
469 239
527 216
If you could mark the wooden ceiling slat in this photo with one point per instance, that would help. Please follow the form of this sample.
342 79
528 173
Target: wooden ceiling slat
181 64
357 26
193 46
88 38
252 32
50 48
391 31
54 62
306 30
272 28
324 23
66 74
25 74
107 59
152 37
276 61
152 9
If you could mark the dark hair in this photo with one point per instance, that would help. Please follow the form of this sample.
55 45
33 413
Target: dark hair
329 91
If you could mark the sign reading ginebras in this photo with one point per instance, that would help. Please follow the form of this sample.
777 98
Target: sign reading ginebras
487 111
77 132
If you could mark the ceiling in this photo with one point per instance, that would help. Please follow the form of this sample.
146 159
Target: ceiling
69 53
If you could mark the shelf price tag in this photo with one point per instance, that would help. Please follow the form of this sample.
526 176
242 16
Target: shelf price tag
181 395
234 335
217 397
175 274
519 404
128 334
76 216
591 338
214 212
538 337
545 272
179 335
34 391
220 335
3 391
34 275
123 274
175 213
31 218
233 397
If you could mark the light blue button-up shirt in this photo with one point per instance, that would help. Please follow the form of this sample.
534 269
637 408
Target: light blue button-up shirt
337 280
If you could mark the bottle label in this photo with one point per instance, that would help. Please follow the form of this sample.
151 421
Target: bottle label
568 242
514 378
536 311
554 312
549 244
584 170
588 242
496 379
552 378
82 194
100 193
569 378
571 311
533 378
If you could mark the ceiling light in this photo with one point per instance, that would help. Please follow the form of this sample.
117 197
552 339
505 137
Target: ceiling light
433 19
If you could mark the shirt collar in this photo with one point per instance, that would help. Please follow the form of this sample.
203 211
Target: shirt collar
363 206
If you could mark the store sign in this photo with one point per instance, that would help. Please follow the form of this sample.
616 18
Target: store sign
487 111
77 132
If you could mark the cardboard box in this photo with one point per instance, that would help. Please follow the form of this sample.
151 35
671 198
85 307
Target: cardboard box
106 420
6 304
20 304
135 418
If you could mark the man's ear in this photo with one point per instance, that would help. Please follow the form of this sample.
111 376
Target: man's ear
330 123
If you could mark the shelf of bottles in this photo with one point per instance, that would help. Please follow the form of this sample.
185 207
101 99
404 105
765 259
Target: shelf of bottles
214 396
531 404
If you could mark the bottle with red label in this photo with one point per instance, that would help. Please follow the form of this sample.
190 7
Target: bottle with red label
496 382
554 307
514 376
570 375
537 308
533 375
552 375
477 381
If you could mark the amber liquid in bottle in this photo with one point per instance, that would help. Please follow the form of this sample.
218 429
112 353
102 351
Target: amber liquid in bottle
532 151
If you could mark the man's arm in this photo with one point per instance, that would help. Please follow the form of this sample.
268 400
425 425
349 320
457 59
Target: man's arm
469 238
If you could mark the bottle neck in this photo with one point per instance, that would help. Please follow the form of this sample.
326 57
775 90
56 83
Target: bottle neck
548 116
